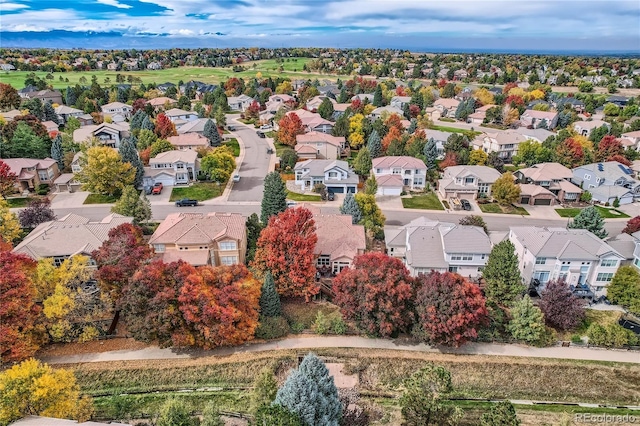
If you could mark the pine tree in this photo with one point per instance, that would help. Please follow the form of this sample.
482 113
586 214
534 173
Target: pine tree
310 392
350 206
503 283
343 97
274 199
146 124
56 151
134 205
50 113
377 96
413 126
430 154
362 164
130 155
590 220
326 109
374 144
211 133
70 97
371 185
136 120
527 321
254 227
269 298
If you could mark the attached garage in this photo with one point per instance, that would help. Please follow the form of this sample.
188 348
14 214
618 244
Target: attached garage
466 195
389 185
542 202
525 200
336 189
535 195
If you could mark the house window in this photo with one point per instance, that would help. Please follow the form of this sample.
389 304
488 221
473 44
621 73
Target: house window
599 288
179 165
462 256
542 276
418 172
159 248
323 260
604 277
43 175
564 268
609 262
227 245
51 174
378 170
58 260
228 260
541 260
333 174
587 176
468 180
453 269
483 188
418 181
396 171
407 172
636 262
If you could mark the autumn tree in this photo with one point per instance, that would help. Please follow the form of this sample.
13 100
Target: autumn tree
370 186
362 163
286 249
376 292
624 288
289 127
500 414
104 172
450 159
503 283
221 305
449 309
164 127
119 257
38 211
609 147
218 164
253 111
589 218
474 220
134 205
633 225
504 190
478 157
7 179
9 97
561 308
394 135
9 224
372 217
32 388
569 153
527 321
356 131
274 199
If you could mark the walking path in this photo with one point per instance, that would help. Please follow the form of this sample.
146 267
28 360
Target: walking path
315 342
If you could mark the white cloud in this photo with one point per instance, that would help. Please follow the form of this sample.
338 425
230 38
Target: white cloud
182 32
8 7
115 3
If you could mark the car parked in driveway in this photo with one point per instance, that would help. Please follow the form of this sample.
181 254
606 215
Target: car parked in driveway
331 196
157 188
466 205
265 127
186 202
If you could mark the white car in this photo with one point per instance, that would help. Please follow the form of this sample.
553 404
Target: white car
265 127
236 178
291 204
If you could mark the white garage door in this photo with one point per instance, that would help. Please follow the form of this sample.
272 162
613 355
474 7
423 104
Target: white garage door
389 190
164 179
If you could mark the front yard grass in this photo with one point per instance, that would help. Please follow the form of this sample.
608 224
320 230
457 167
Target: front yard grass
200 191
428 201
18 202
100 199
302 197
298 312
280 147
234 145
604 212
497 208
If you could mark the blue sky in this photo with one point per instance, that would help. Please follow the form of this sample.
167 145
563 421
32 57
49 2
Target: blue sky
515 25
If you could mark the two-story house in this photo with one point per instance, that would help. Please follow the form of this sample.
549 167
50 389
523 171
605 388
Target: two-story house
180 116
32 172
607 181
576 256
314 103
585 128
505 143
108 134
68 236
65 112
178 167
390 109
201 239
468 182
313 122
53 96
552 176
117 111
400 101
425 245
334 174
447 106
239 103
539 119
316 145
396 173
440 138
188 141
162 103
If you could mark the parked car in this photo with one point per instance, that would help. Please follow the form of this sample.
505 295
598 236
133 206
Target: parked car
269 151
186 202
260 134
148 189
236 178
466 205
265 127
331 196
157 188
231 128
291 204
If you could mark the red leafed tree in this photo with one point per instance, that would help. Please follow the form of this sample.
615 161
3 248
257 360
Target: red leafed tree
149 304
138 104
289 127
608 147
376 292
286 248
7 179
394 120
508 87
400 91
449 309
633 225
569 153
164 127
442 83
253 111
514 100
620 159
561 308
357 106
450 159
414 111
119 257
393 135
18 310
221 304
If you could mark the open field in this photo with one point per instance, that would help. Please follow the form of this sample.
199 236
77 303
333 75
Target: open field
268 68
604 212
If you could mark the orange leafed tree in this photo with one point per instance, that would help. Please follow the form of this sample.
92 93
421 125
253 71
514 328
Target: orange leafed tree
164 127
608 147
450 159
394 134
286 248
289 127
221 304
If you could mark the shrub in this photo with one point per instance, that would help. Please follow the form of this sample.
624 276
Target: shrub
585 197
322 324
338 326
616 202
42 189
88 334
611 336
297 327
272 328
576 338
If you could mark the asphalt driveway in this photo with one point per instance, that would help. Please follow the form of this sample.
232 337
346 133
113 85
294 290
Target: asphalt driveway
254 167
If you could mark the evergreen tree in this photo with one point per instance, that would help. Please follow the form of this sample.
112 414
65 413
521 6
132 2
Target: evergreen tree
344 96
269 298
50 113
56 151
527 321
264 390
417 99
350 206
254 227
341 127
501 414
70 97
503 283
362 164
371 185
274 199
430 154
211 133
413 126
326 109
147 124
377 96
134 205
374 144
590 220
130 155
310 392
406 112
136 121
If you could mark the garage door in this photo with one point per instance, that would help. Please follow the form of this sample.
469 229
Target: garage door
351 189
165 180
524 200
542 202
389 191
336 189
466 196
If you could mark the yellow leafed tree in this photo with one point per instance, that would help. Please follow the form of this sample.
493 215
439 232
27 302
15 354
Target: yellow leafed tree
73 270
104 172
9 224
356 132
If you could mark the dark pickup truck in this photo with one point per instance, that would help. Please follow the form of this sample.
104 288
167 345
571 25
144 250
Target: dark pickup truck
186 202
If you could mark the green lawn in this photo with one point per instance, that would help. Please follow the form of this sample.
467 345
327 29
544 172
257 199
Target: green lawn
496 208
200 191
472 133
280 147
604 212
302 197
428 201
100 199
234 145
18 202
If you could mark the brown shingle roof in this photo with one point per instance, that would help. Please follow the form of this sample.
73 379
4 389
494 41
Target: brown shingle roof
195 228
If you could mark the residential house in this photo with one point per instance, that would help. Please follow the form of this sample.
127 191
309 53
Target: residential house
194 126
433 113
201 238
336 175
575 103
313 122
576 256
608 181
539 119
118 111
628 246
239 103
162 103
535 195
316 145
66 182
553 177
538 135
633 139
53 96
7 67
177 167
188 141
468 182
440 138
10 115
276 102
399 172
314 103
64 112
390 109
479 115
425 245
180 116
109 134
52 128
400 101
585 128
154 66
76 162
163 87
620 101
363 97
447 106
32 172
505 143
68 236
